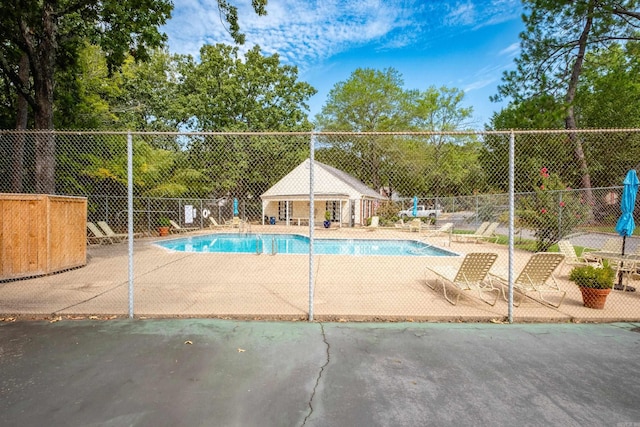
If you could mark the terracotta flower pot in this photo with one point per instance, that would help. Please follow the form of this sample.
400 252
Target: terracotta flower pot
594 298
163 231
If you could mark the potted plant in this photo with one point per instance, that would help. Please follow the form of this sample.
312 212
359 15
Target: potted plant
327 219
595 283
163 226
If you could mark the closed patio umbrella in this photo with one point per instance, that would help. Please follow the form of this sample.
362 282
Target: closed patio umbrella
415 206
626 224
235 207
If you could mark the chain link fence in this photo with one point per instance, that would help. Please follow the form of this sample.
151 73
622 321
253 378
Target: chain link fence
226 225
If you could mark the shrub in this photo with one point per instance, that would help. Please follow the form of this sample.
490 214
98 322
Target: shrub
551 212
589 276
387 211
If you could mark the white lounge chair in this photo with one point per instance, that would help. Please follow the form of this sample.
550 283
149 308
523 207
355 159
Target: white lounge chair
612 246
570 257
415 224
481 229
115 236
488 233
236 222
97 236
536 277
214 223
470 276
176 228
443 230
375 222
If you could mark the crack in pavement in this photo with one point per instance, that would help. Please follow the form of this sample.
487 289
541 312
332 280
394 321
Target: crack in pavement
313 393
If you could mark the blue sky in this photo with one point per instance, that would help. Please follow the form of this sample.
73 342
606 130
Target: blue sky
464 44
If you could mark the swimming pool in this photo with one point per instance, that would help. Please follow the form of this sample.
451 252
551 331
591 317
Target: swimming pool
297 244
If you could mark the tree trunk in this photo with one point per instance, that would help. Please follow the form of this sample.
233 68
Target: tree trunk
43 89
570 124
17 161
570 119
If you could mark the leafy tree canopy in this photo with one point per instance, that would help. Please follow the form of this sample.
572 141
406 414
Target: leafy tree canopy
555 49
376 101
254 93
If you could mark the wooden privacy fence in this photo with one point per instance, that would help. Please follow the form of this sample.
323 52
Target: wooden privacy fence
41 234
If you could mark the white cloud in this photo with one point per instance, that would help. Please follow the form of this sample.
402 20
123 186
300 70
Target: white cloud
306 29
511 50
307 32
462 14
479 84
486 76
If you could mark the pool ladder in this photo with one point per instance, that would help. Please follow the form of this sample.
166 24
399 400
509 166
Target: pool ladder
259 248
260 245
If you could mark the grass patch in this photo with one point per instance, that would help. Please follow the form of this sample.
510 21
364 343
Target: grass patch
611 229
519 243
531 244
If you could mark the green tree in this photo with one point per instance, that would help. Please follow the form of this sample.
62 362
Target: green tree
250 94
608 99
154 96
555 44
375 101
551 211
531 149
257 93
450 159
49 33
369 101
85 92
439 110
610 88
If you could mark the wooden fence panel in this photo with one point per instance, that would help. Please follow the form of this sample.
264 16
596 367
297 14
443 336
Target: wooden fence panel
41 234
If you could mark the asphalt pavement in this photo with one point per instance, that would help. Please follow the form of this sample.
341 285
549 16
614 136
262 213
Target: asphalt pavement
205 372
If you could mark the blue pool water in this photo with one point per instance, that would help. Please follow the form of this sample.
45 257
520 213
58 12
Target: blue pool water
296 244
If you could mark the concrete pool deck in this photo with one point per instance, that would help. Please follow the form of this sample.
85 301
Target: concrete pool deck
249 286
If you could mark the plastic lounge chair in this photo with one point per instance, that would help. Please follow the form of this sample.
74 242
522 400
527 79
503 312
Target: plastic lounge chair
214 223
471 275
628 271
481 229
611 246
115 236
175 228
444 229
97 235
375 221
536 277
236 222
415 225
400 224
488 233
570 257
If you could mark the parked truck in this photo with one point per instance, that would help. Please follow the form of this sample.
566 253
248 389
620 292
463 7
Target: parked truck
422 212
